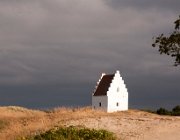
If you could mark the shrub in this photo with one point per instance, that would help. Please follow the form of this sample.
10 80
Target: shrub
176 111
73 133
163 111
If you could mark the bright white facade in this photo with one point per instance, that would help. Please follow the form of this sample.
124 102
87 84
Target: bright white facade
110 93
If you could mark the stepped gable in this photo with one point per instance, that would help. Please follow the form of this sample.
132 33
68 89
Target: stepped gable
104 85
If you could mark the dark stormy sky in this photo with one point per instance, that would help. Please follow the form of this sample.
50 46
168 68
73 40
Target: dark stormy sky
52 52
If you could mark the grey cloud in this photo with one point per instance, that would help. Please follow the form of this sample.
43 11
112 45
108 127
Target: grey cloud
69 43
157 5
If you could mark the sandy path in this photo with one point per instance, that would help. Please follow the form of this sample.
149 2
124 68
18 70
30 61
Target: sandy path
144 126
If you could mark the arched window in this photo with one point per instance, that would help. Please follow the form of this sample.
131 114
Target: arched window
117 104
100 104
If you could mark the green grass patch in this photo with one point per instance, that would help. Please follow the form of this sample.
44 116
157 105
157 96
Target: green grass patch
73 133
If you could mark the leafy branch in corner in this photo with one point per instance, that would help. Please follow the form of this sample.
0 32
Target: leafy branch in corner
170 45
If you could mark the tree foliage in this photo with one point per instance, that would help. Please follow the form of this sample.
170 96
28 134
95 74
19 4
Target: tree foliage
176 111
163 111
170 45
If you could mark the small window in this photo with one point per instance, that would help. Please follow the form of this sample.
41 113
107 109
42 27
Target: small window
100 104
118 89
117 104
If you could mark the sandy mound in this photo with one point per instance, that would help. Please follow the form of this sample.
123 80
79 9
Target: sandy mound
127 125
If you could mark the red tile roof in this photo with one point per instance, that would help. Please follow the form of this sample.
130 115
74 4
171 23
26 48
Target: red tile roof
104 85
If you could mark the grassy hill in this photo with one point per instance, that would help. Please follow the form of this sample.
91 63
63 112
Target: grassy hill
16 122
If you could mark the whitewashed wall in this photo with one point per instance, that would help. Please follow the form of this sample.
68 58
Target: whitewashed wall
117 94
99 99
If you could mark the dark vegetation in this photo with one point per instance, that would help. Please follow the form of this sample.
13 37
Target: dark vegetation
3 124
73 133
162 111
170 45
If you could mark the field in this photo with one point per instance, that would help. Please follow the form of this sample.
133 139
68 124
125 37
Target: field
16 122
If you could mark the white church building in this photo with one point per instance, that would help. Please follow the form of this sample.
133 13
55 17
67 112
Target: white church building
110 93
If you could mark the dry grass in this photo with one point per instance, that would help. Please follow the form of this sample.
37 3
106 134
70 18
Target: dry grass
3 124
133 124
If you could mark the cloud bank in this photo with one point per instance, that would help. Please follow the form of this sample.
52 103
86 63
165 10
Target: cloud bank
69 43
